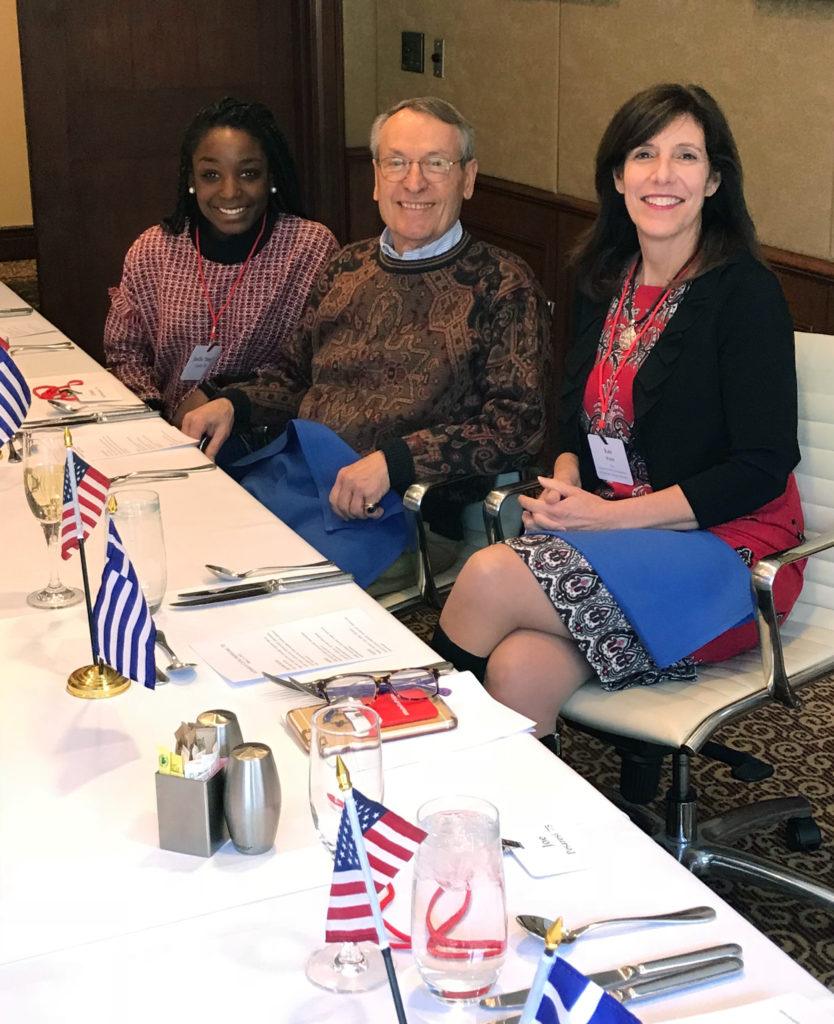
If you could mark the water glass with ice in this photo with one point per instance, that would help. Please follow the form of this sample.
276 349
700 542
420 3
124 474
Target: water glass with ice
459 915
139 522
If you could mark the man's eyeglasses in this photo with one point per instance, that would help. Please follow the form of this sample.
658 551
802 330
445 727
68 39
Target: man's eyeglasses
433 168
406 683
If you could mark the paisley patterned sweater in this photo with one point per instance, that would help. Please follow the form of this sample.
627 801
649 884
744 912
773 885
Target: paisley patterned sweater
443 364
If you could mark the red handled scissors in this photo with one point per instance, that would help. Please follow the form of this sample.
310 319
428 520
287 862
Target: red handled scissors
63 391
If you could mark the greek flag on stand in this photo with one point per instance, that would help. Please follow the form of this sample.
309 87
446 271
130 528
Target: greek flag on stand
125 632
570 998
15 397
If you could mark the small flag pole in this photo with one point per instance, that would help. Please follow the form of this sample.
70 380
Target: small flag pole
534 997
343 778
99 679
79 532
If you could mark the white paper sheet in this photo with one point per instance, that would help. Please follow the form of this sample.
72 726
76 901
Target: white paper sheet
306 645
95 386
99 442
790 1008
13 328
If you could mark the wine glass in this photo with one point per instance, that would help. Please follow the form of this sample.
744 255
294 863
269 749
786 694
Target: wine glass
459 914
44 457
139 522
351 730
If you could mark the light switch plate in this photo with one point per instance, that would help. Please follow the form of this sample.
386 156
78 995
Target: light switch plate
438 58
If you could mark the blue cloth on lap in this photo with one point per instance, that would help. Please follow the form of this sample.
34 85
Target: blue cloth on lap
679 590
293 477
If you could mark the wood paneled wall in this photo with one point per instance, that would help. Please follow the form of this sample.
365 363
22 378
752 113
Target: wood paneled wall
543 227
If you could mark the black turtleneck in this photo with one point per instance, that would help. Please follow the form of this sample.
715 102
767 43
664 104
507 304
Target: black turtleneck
230 249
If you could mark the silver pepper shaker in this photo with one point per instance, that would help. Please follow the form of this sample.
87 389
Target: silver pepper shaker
252 798
228 729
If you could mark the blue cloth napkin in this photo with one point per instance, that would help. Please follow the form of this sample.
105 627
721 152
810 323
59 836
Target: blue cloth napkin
293 477
679 590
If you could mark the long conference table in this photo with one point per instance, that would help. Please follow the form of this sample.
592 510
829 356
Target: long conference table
98 923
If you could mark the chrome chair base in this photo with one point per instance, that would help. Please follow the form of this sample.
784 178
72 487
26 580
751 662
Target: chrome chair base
699 846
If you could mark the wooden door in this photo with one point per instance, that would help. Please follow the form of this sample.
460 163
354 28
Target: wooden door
108 89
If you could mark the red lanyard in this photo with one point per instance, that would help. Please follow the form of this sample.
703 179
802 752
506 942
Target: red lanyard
215 316
608 387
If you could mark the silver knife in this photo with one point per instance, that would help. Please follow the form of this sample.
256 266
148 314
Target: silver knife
666 983
174 473
132 412
628 972
276 586
44 346
11 311
257 585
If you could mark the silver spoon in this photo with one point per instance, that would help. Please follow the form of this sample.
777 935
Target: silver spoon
229 574
176 665
538 926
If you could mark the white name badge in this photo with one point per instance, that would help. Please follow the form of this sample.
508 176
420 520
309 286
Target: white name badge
610 459
200 365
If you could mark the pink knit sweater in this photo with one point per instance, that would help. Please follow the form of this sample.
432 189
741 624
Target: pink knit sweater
159 313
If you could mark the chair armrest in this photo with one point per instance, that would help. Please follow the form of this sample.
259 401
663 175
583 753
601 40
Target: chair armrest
494 503
764 575
413 501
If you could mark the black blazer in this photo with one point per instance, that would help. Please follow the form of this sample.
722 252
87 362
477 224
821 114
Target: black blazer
714 401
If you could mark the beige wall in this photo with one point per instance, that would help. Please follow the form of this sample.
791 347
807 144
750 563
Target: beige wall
15 201
540 79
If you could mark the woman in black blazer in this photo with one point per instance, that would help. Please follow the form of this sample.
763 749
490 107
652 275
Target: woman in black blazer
678 413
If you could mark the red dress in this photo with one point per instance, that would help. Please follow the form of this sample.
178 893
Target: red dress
773 527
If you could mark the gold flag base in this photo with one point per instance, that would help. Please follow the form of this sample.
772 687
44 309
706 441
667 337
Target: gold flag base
96 681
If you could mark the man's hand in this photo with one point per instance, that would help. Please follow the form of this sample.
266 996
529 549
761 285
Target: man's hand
359 485
214 419
193 401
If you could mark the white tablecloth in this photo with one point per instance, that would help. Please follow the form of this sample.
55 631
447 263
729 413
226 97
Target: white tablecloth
97 923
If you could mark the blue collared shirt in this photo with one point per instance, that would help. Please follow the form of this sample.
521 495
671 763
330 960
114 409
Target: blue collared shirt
436 248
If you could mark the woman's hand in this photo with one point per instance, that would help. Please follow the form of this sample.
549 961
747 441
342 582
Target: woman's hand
193 401
214 419
564 506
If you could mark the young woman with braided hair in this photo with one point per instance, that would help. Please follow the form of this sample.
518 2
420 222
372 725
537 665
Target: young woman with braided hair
212 293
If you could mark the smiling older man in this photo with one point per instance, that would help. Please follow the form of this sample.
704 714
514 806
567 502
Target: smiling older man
426 350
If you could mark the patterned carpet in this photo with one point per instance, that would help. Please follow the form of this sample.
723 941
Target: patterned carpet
801 749
22 277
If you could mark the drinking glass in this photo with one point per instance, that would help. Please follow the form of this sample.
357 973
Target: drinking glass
139 522
44 456
458 910
350 730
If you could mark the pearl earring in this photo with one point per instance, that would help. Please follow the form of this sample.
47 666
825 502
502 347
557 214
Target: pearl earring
273 189
191 190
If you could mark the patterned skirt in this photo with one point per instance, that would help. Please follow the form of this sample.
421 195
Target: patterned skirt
592 616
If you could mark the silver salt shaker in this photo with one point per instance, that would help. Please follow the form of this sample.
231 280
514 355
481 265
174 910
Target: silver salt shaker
228 729
252 798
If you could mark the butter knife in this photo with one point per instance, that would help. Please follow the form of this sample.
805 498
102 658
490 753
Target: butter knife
673 981
276 586
628 972
173 473
132 412
257 585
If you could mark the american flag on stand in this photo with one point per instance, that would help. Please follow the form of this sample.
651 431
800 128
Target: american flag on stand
15 397
391 842
85 483
125 632
571 998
